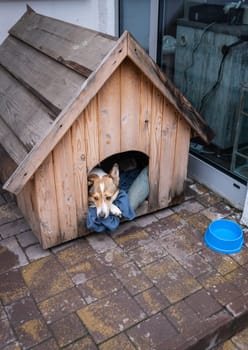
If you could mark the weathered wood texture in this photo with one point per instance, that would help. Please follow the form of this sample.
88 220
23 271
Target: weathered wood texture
70 98
67 117
61 192
78 48
199 63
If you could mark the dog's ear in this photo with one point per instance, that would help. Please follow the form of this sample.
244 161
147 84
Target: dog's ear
114 173
91 179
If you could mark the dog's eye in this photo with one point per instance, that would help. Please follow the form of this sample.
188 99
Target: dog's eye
108 198
96 198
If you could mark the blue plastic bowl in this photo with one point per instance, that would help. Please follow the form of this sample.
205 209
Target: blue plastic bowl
224 236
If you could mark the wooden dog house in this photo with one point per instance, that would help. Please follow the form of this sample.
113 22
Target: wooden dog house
69 98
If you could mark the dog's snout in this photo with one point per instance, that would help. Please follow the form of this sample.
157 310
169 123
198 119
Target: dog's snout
102 215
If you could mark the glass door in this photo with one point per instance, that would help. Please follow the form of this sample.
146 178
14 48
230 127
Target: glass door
203 49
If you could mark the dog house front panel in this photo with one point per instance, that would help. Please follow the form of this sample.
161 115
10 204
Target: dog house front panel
127 114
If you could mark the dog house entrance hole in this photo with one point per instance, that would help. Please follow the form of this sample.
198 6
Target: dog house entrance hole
133 167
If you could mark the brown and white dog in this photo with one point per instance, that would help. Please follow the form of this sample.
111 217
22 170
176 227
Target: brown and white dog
103 190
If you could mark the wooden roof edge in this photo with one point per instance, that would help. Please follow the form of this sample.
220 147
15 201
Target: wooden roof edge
139 56
66 118
75 66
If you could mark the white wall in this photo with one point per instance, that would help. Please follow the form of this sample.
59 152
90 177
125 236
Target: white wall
100 15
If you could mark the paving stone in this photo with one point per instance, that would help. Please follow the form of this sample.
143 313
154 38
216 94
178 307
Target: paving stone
214 330
150 252
61 304
221 262
99 287
32 332
120 341
45 278
238 306
87 269
171 279
163 213
221 289
181 244
113 257
76 253
152 333
146 220
11 255
49 344
228 345
110 315
14 228
183 318
2 200
36 252
125 228
239 278
6 334
8 213
133 239
196 264
12 287
188 208
83 344
68 330
241 339
132 278
209 199
198 188
22 310
199 221
166 226
26 238
12 346
152 301
241 257
218 211
203 304
3 314
100 242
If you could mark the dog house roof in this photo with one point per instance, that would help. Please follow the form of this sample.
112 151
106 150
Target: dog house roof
49 72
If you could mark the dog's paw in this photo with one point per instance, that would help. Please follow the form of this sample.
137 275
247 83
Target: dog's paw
115 211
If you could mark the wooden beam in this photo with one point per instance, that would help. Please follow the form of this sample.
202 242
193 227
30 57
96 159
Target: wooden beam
167 88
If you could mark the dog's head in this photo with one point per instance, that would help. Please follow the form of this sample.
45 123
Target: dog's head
103 190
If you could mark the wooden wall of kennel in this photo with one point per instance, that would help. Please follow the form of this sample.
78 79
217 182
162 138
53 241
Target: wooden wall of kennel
124 103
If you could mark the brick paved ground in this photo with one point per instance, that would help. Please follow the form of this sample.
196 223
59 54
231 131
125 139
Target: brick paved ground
150 285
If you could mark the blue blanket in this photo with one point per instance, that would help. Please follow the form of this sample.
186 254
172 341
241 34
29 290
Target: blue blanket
111 222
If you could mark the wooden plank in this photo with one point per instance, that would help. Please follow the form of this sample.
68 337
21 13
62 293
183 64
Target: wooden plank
7 165
67 117
167 155
78 48
23 116
181 158
145 114
26 201
92 134
109 117
130 106
12 145
80 171
168 89
47 204
155 147
53 83
65 189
